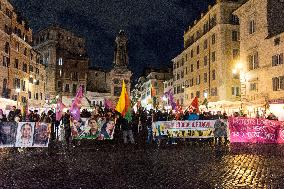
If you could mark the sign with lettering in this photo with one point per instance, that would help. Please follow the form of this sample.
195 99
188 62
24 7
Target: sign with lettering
255 130
185 129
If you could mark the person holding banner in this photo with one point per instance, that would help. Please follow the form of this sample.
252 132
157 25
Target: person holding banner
26 135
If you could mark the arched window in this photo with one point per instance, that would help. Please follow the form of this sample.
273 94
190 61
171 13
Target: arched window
7 48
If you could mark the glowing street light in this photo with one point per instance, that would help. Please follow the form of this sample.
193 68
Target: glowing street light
205 94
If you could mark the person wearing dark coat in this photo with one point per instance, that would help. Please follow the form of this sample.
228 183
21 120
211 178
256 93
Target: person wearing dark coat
126 127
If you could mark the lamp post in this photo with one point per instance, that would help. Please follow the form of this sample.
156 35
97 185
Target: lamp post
18 90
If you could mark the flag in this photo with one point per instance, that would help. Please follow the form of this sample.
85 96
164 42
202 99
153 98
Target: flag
178 107
108 104
205 103
76 105
153 91
59 109
170 97
194 104
123 103
128 115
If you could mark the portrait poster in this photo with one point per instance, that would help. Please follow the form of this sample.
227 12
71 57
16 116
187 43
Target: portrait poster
41 134
25 132
98 129
8 132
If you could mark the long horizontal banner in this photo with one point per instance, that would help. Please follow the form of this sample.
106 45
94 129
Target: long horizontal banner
100 129
188 129
256 130
24 134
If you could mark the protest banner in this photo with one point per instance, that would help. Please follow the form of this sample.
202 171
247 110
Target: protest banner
185 129
24 134
93 129
255 130
8 132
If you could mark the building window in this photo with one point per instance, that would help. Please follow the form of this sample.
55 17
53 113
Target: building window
185 70
17 46
235 20
16 65
191 67
205 44
251 27
213 39
198 94
278 83
197 65
23 84
67 88
191 82
59 86
60 73
75 76
7 48
175 66
213 74
37 71
17 83
25 68
235 91
213 56
6 61
205 60
25 51
277 59
30 95
60 62
191 53
74 89
205 77
214 91
252 87
31 68
36 96
236 53
234 36
198 80
40 96
277 41
197 50
253 61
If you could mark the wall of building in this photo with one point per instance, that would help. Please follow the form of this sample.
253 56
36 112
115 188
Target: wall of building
19 63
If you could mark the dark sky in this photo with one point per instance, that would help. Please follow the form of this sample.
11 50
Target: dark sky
154 27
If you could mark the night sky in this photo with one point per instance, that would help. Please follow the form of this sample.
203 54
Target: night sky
154 27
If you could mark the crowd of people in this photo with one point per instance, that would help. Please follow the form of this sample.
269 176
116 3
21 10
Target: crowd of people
136 130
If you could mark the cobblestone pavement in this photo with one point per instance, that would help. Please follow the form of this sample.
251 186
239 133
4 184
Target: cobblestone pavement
175 166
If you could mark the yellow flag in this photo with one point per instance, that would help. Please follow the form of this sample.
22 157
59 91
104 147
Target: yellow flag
123 102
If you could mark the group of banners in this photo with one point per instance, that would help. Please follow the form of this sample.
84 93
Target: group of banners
189 129
24 134
99 129
240 129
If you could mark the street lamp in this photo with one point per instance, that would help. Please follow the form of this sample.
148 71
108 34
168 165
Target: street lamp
18 90
205 94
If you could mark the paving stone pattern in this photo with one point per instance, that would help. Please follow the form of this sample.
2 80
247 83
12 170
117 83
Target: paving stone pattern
118 166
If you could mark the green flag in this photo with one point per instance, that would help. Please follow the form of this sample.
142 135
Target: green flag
128 115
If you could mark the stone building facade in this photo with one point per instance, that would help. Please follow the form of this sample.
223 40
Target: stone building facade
211 51
66 61
261 54
23 77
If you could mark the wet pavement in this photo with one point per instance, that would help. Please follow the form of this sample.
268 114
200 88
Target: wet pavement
134 166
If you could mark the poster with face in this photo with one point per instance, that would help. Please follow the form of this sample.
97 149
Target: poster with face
97 129
25 132
7 134
41 134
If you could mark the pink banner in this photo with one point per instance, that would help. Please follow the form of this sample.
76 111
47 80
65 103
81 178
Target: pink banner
255 130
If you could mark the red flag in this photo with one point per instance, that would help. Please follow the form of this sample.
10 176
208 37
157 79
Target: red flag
195 105
59 109
76 105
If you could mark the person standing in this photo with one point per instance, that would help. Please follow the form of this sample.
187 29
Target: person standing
12 114
126 130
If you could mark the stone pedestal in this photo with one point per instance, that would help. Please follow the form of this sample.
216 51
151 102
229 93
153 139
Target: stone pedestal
117 74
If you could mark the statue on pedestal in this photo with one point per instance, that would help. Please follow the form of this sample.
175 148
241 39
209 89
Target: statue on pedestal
121 52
